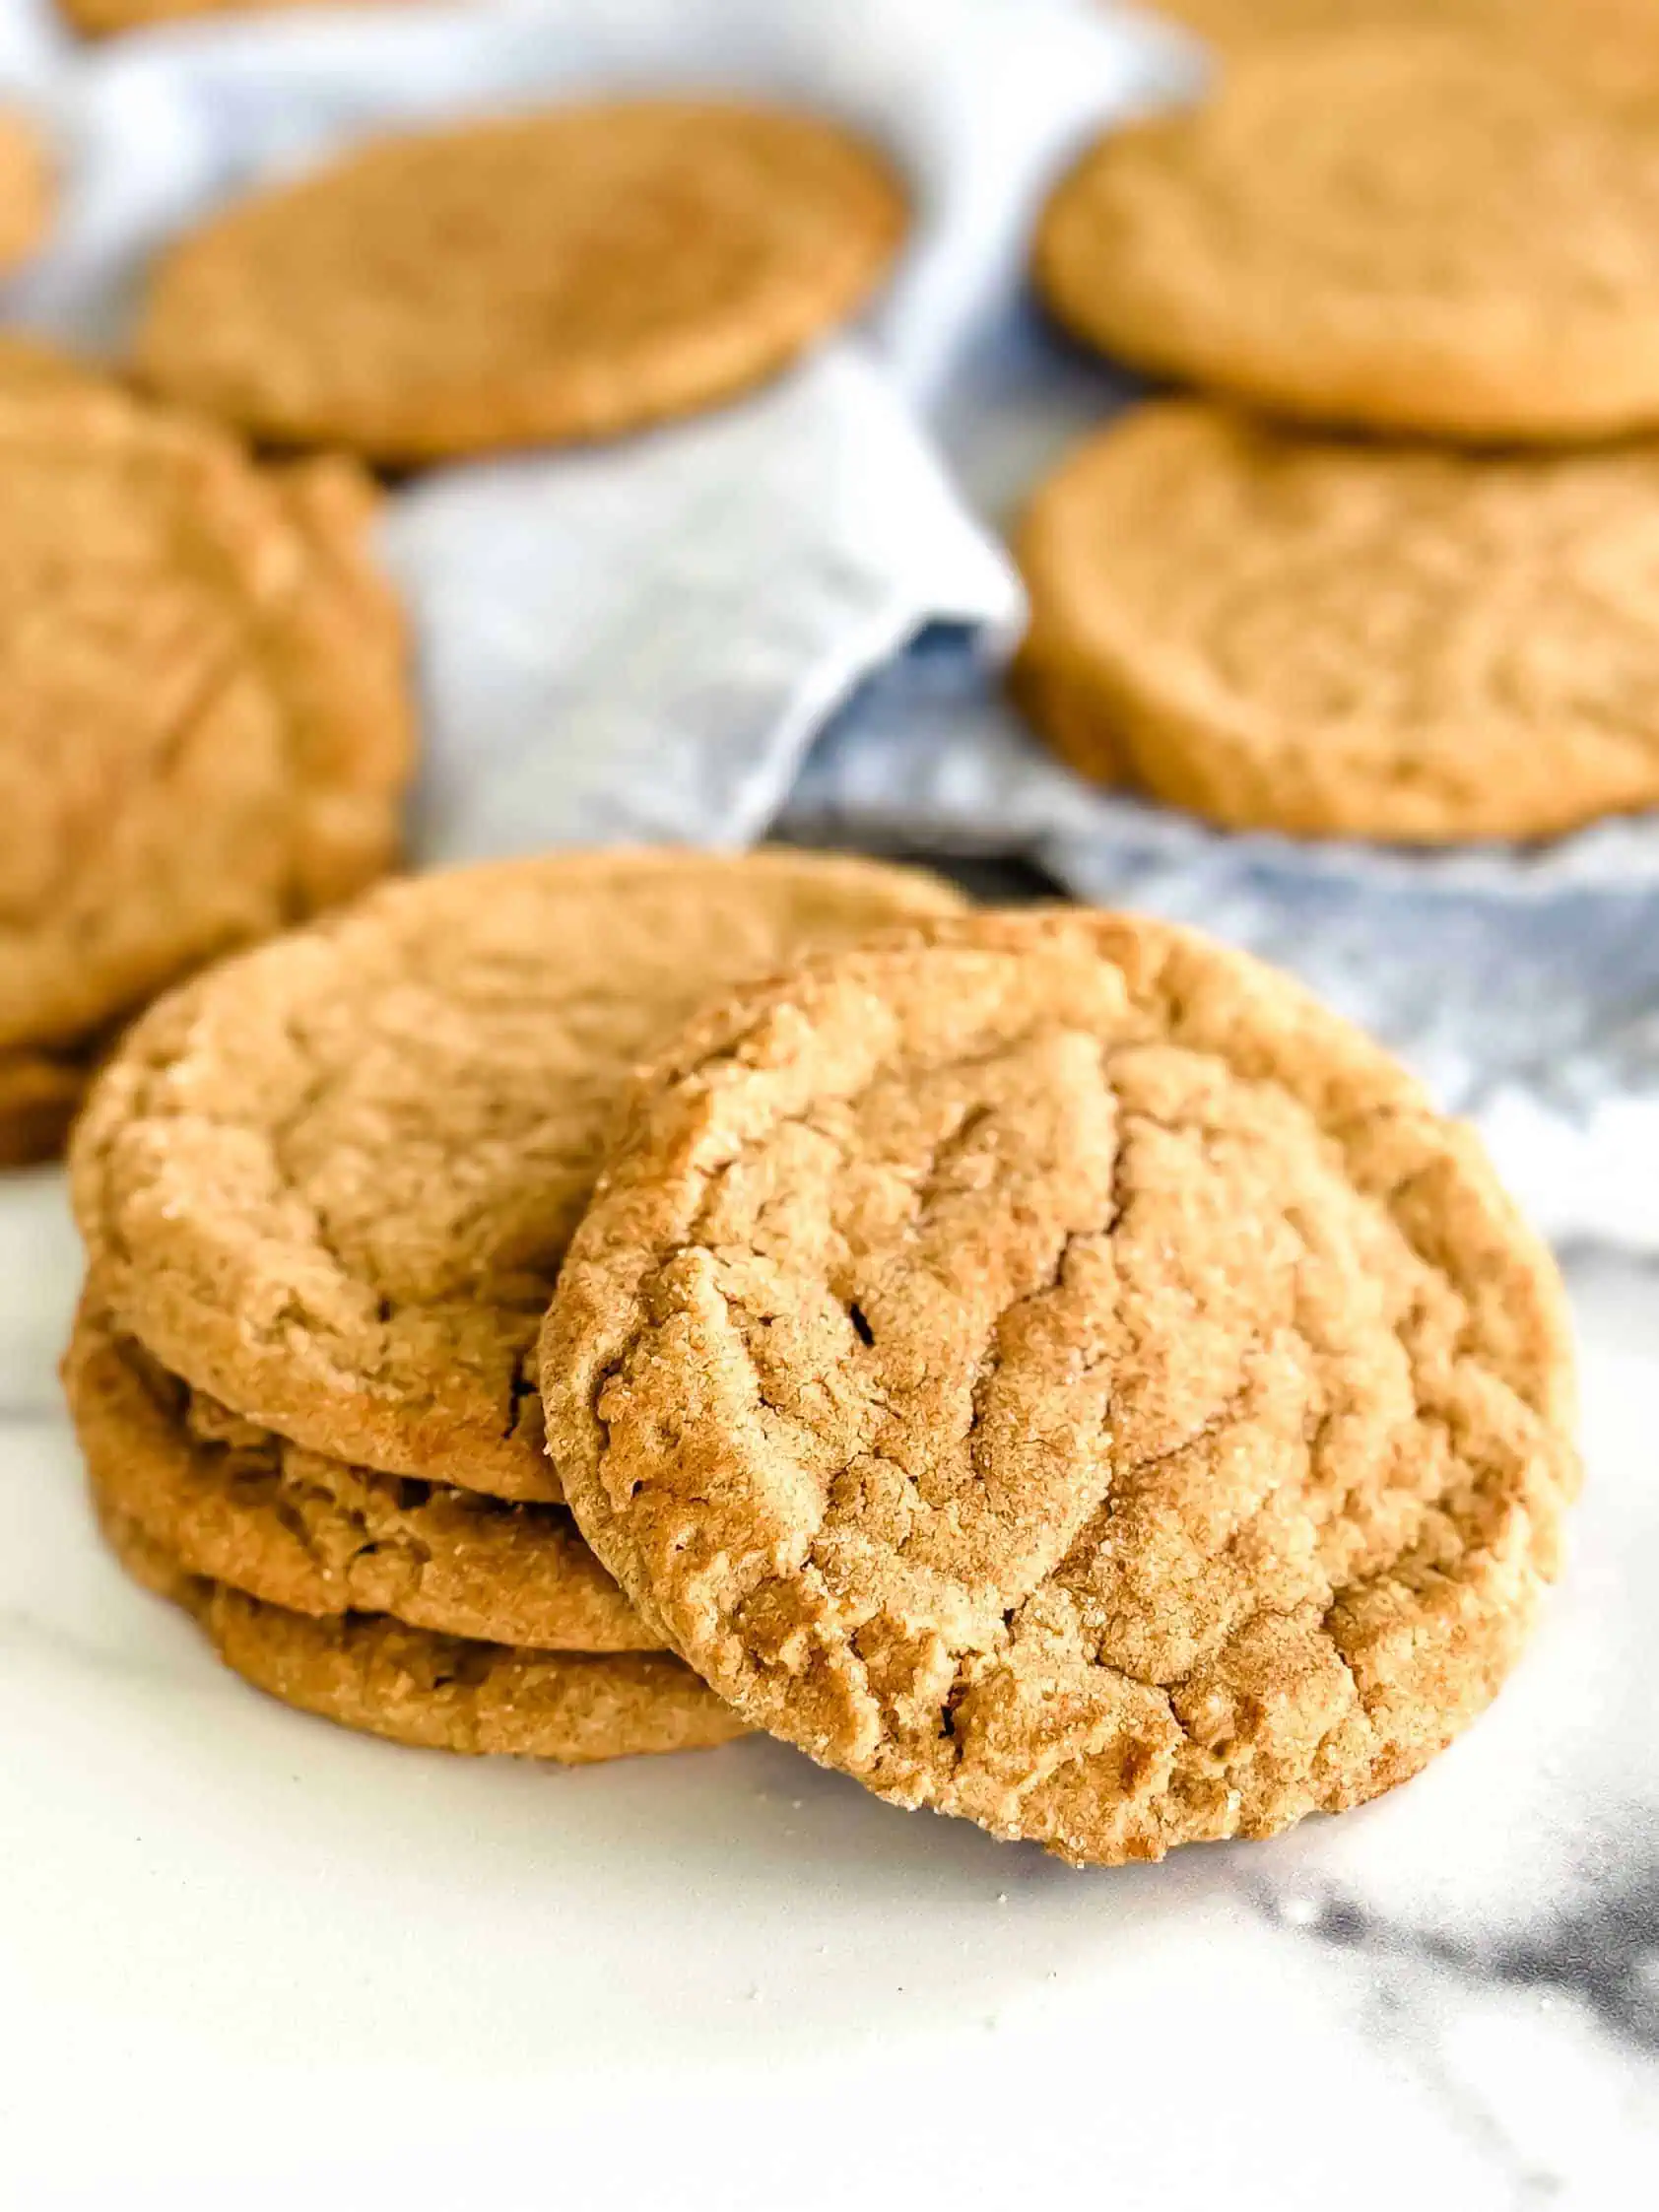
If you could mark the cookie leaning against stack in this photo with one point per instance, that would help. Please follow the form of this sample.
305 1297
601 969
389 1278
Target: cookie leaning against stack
1053 1370
324 1191
207 727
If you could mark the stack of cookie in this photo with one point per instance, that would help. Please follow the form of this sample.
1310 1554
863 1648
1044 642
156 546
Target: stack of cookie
324 1191
1447 630
1045 1366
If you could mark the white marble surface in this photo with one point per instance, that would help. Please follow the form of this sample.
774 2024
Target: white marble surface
243 1956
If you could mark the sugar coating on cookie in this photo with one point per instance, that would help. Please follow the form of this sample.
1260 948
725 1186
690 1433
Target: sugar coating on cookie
438 1693
567 274
1411 233
207 727
241 1505
1338 639
26 189
330 1184
1062 1376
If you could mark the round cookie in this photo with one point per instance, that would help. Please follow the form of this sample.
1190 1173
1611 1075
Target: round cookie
1335 638
207 726
438 1693
26 189
568 274
1320 235
1059 1374
240 1505
330 1184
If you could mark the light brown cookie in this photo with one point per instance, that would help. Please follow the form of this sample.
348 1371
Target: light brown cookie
207 726
330 1184
1061 1375
1615 39
238 1504
26 189
561 275
1322 235
97 19
438 1693
1343 640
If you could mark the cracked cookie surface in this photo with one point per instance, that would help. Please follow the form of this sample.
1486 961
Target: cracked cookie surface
330 1184
561 275
241 1505
1334 638
1320 234
436 1692
207 728
1060 1375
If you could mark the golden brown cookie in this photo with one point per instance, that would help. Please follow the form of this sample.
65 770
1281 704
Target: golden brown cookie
1059 1374
238 1504
1404 233
330 1184
1346 640
26 189
1616 39
561 275
207 726
97 19
439 1693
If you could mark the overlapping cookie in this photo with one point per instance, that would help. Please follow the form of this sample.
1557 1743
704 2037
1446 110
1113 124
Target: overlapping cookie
1059 1374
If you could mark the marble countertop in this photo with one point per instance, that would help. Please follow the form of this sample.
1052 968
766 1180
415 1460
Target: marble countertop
242 1953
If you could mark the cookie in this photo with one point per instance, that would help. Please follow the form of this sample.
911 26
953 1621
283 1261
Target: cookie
1060 1375
1356 641
438 1693
236 1505
97 19
567 274
207 726
1614 37
1320 235
26 189
330 1184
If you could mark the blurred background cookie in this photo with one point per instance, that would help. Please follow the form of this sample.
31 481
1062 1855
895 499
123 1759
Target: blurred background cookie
561 275
1401 232
1337 638
208 726
26 189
